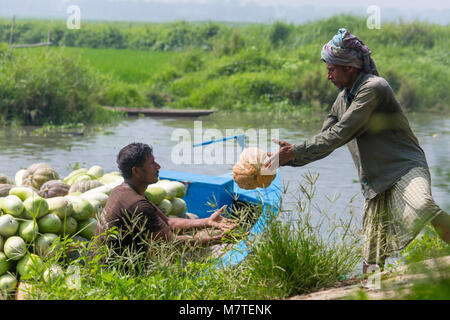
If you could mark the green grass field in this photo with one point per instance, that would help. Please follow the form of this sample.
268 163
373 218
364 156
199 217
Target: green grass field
130 66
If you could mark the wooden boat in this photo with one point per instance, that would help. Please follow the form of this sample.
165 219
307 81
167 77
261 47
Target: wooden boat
205 190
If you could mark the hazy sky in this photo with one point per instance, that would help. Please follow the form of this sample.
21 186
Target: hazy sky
412 4
266 11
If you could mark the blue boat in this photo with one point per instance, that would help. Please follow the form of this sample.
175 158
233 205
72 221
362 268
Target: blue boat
205 190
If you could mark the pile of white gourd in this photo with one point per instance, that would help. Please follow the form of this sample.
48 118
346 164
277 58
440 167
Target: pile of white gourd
33 221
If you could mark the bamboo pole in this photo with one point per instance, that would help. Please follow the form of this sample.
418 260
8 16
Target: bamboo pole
31 45
48 40
11 36
41 44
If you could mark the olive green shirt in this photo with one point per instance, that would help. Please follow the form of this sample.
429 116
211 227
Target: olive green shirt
369 119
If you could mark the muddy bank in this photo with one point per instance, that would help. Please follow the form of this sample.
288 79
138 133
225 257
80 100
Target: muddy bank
391 283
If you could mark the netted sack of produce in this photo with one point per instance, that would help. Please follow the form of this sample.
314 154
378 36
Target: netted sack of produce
249 172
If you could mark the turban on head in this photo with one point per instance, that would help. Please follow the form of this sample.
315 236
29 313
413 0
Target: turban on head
347 50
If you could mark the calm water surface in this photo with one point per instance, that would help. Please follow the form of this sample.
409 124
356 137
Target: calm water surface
337 188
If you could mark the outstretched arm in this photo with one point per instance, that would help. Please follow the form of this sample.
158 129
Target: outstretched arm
334 134
169 229
214 221
198 239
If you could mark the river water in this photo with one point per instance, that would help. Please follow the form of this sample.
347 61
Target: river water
337 188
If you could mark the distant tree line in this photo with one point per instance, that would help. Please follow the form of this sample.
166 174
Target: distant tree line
273 67
180 35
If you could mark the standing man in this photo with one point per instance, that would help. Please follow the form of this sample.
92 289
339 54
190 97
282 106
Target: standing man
392 167
136 218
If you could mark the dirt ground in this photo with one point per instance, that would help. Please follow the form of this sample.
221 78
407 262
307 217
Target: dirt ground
381 286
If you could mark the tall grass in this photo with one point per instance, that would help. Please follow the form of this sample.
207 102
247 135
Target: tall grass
426 260
427 245
310 251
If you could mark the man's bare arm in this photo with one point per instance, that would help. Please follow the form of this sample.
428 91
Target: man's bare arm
167 234
214 221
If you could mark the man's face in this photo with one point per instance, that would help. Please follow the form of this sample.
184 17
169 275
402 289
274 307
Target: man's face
338 75
149 172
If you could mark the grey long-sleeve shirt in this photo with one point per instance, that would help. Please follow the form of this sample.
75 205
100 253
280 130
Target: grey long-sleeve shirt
369 119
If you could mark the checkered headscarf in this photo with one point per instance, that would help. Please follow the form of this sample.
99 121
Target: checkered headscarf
347 50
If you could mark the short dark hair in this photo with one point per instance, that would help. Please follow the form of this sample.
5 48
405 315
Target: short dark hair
132 155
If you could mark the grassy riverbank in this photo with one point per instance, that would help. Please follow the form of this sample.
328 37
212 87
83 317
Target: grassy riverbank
289 258
286 258
255 67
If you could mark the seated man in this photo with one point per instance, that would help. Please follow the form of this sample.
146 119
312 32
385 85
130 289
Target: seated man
136 218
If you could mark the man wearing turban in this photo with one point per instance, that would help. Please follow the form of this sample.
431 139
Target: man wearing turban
391 165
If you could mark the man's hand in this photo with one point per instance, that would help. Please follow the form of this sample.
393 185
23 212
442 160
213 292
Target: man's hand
282 156
215 236
217 221
210 237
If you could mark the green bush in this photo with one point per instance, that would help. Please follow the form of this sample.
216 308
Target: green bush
48 87
243 88
185 86
425 246
229 42
119 94
278 34
246 61
190 61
